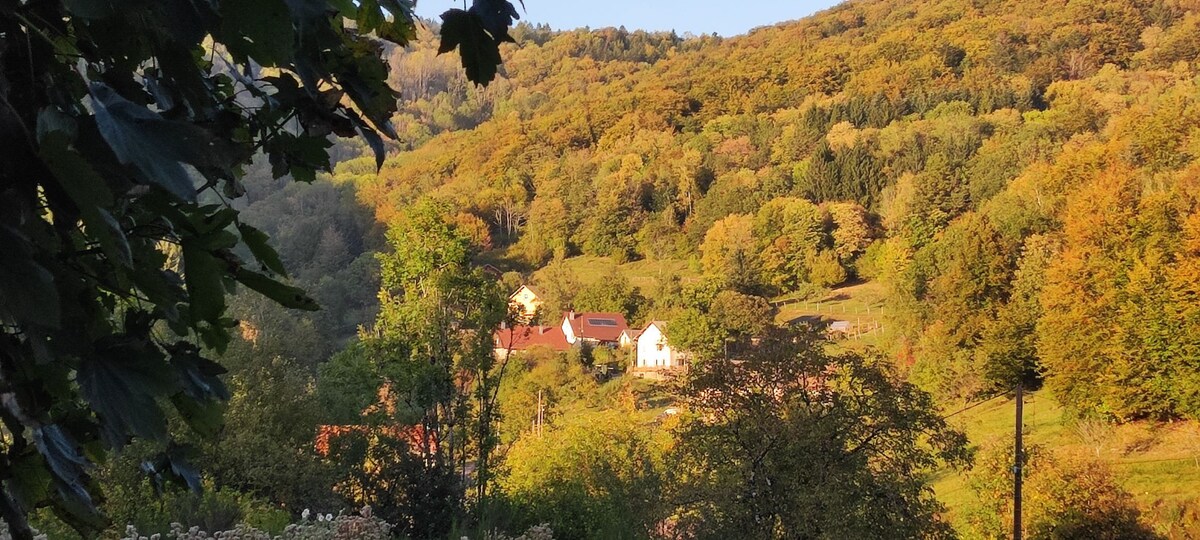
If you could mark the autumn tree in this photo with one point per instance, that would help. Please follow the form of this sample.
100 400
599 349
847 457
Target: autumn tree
728 252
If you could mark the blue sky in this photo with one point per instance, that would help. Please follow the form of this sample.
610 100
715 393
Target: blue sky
727 18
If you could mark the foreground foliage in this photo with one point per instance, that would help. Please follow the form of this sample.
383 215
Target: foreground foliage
127 129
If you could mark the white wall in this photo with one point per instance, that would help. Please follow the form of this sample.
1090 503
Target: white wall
652 349
568 331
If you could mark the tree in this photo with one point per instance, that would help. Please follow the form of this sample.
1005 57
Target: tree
789 231
789 441
825 270
558 285
711 321
123 148
436 322
612 293
598 475
728 252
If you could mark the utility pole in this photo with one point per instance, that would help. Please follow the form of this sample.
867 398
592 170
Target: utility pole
541 413
1017 467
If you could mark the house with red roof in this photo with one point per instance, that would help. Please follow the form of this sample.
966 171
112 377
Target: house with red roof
522 337
595 328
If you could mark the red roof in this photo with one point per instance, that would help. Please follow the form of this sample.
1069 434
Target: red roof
599 326
519 338
414 436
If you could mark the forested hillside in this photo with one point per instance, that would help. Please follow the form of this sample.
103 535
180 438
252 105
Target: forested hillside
1023 178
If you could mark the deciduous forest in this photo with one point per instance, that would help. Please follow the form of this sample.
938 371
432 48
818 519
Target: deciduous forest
986 194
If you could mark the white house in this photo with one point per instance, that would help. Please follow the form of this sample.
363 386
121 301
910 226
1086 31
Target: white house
525 301
654 352
627 338
595 328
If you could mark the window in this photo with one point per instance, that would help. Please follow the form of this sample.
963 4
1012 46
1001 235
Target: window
660 346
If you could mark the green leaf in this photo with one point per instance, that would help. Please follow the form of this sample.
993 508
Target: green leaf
157 147
202 275
204 417
89 193
68 468
27 291
62 455
479 51
51 120
198 376
496 16
373 140
121 384
260 247
399 29
30 482
286 295
219 240
214 336
259 29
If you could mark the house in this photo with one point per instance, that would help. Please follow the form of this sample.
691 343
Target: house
598 328
525 302
521 338
654 352
627 338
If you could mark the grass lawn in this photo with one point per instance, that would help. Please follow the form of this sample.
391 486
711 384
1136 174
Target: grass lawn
1157 463
860 304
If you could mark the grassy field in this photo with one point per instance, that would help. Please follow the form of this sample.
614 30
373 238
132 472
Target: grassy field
1157 463
860 304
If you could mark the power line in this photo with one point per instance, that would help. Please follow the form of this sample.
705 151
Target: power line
978 403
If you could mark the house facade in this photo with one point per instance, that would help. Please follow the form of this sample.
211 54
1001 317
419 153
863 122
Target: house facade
654 352
525 302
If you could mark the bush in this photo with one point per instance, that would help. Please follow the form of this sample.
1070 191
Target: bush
361 526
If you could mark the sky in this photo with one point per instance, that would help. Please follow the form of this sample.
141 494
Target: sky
726 18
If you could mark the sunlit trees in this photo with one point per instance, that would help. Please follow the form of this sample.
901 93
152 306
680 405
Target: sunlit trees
728 252
430 359
594 475
1125 261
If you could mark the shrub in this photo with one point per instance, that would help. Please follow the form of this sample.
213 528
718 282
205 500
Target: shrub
1064 497
361 526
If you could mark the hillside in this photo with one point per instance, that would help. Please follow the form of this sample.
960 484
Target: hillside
971 157
1016 185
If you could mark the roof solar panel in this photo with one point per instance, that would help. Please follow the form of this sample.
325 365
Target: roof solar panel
602 322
